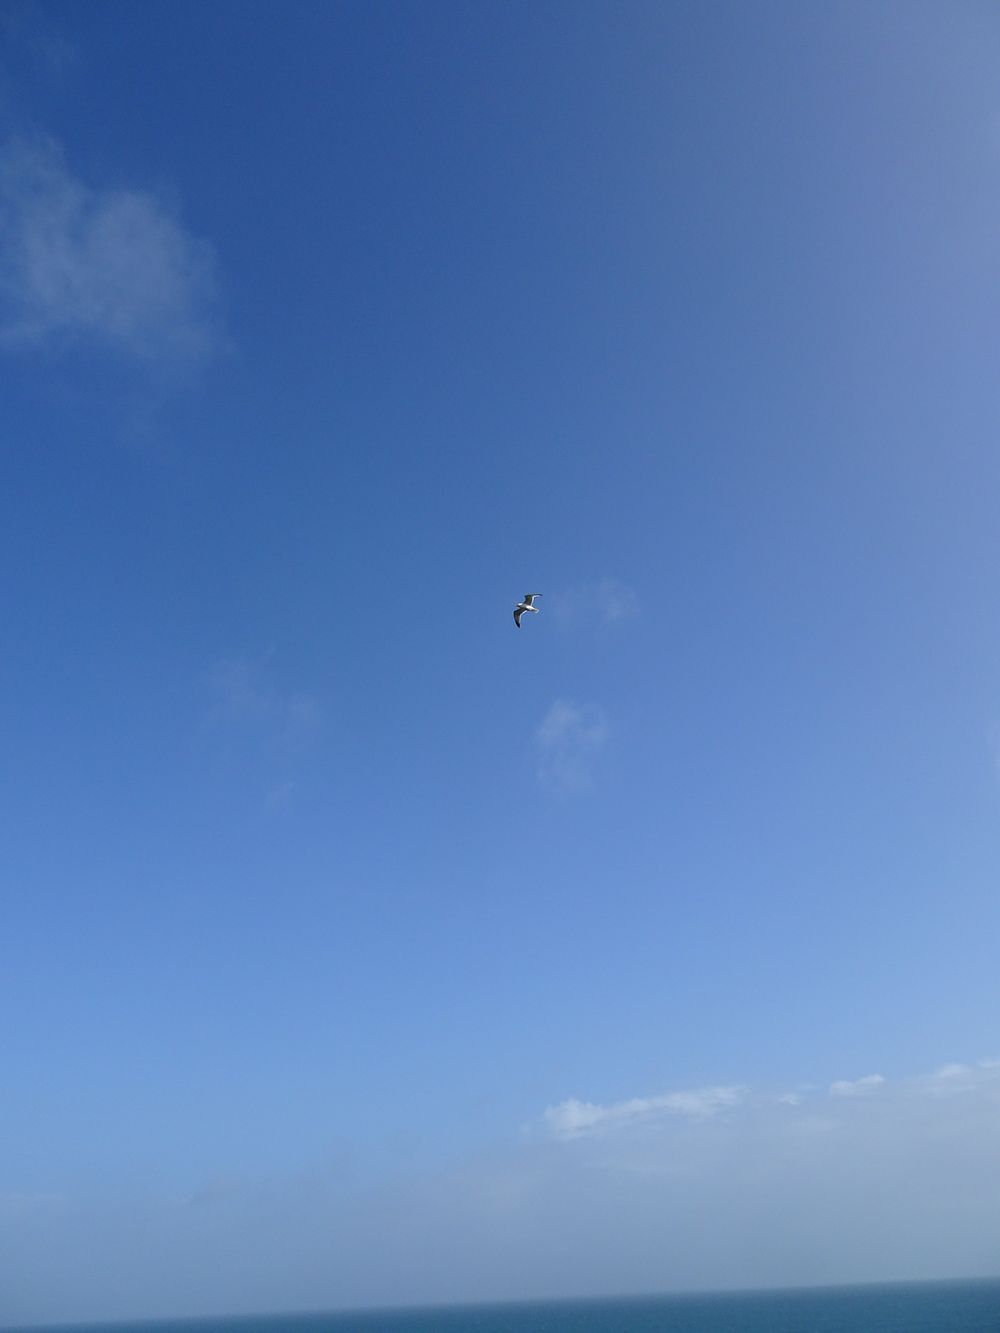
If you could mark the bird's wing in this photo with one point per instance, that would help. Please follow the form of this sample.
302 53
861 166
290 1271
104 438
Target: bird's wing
529 597
517 617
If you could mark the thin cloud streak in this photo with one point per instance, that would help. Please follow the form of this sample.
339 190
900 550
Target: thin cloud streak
858 1087
573 1119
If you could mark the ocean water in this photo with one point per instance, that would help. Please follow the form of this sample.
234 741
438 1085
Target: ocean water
916 1307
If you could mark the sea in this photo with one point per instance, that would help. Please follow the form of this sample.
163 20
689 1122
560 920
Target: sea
913 1307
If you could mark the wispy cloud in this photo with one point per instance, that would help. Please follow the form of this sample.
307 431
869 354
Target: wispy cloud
247 697
606 601
112 266
953 1071
955 1078
857 1087
569 739
573 1119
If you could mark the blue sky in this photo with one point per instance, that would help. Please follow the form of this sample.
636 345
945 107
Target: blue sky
357 947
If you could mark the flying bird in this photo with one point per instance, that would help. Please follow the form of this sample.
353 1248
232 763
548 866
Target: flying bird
527 605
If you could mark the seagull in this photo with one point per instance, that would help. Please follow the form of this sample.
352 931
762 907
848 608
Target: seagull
526 605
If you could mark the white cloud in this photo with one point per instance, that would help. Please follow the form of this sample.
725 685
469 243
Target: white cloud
572 1119
953 1079
108 265
606 601
857 1087
953 1071
569 739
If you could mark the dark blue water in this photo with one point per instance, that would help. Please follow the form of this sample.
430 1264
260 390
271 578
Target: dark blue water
926 1307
